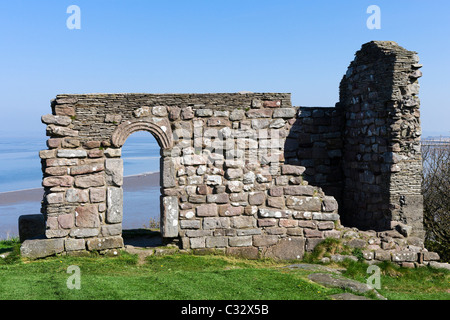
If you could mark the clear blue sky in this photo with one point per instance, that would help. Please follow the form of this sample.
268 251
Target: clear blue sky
301 47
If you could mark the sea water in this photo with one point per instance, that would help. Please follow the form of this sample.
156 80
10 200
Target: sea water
20 168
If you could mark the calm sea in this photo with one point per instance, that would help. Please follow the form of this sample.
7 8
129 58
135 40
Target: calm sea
20 168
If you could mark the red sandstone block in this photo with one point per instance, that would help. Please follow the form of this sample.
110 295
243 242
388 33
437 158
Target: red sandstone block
66 221
288 223
272 103
311 233
58 181
87 216
56 171
207 210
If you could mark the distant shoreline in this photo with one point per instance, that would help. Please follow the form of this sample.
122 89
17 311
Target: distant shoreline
130 183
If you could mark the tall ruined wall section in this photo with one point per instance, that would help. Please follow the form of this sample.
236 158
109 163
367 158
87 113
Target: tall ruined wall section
381 137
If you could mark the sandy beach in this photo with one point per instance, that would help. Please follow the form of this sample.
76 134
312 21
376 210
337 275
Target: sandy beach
140 194
130 183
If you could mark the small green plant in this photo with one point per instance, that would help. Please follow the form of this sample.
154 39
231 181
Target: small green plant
358 254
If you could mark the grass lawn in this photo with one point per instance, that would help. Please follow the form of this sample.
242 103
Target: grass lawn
190 277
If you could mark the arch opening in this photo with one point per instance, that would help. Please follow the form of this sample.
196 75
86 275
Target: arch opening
141 190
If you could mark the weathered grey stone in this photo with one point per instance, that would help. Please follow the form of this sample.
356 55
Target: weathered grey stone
57 120
284 113
97 194
53 130
213 180
40 248
299 190
190 224
74 195
240 222
91 180
290 248
329 204
203 112
304 203
243 252
430 256
47 154
111 229
292 170
169 227
277 123
114 172
168 173
112 153
54 198
58 181
240 241
237 114
233 174
357 243
114 202
87 168
216 223
216 242
265 240
142 112
70 153
207 210
439 265
84 232
272 213
74 244
198 242
105 243
335 281
401 256
220 198
160 111
256 198
382 255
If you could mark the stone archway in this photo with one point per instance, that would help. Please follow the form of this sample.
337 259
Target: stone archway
163 135
162 132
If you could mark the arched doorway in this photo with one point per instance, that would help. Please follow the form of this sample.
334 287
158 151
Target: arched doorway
141 190
167 205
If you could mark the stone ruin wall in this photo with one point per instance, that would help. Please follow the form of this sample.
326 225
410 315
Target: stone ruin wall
382 161
248 173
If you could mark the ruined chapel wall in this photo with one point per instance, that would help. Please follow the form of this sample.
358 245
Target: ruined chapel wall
224 181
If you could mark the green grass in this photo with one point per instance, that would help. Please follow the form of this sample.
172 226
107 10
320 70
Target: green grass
184 276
